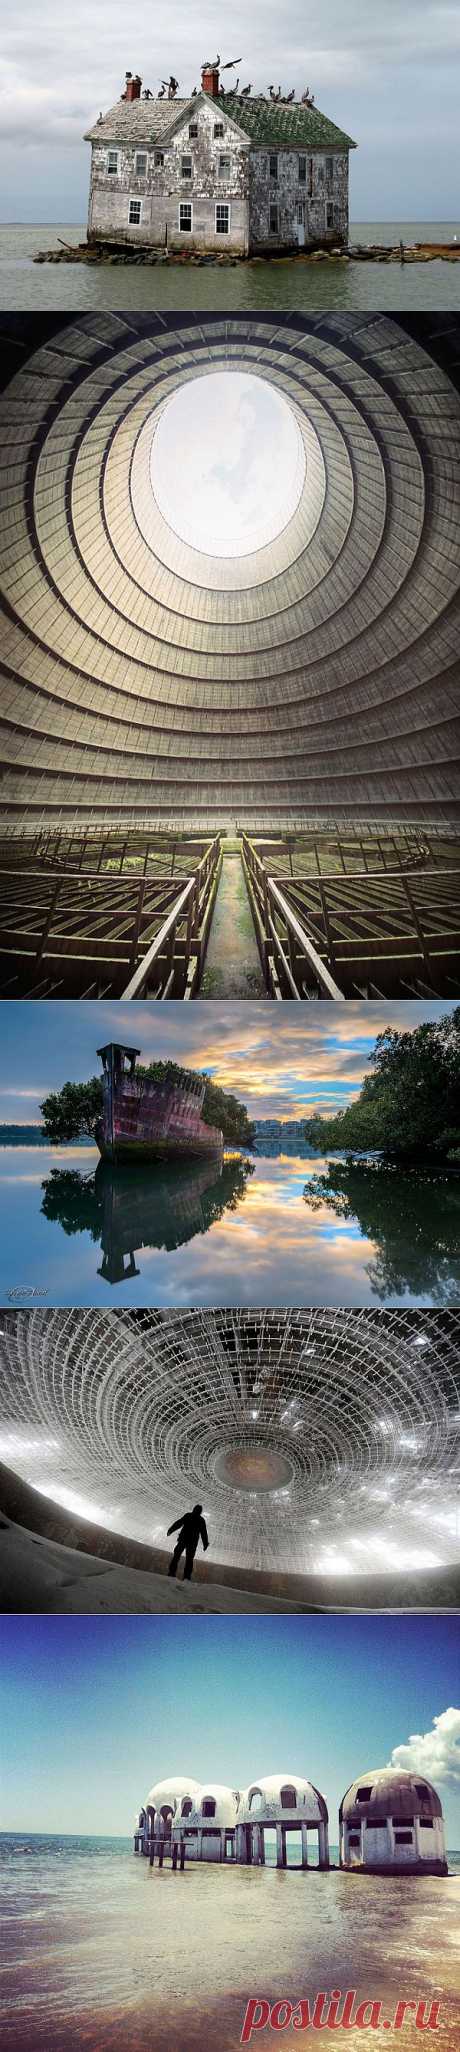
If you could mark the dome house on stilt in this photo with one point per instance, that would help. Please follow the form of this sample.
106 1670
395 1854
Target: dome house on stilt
392 1821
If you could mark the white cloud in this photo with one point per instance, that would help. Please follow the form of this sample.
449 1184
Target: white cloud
435 1753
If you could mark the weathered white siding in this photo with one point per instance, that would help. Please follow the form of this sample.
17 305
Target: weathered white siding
310 191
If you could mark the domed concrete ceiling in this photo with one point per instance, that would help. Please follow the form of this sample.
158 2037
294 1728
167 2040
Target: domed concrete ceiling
317 1441
149 676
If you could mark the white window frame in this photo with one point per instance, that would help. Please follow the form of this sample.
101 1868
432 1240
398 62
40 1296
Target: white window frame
228 210
134 201
186 158
218 131
189 204
225 159
111 173
144 154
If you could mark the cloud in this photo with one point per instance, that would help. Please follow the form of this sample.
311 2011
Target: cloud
435 1753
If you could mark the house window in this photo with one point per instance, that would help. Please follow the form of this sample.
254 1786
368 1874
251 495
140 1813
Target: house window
376 1823
186 167
273 166
329 170
218 130
354 1838
427 1823
187 1806
273 221
135 213
302 170
310 177
222 220
421 1788
193 130
403 1838
225 165
329 217
112 162
402 1820
288 1798
140 164
208 1807
185 217
363 1795
159 159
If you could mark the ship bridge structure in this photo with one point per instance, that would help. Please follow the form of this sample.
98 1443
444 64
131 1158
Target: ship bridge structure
322 1444
159 694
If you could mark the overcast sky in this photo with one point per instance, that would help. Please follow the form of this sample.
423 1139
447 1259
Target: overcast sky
387 74
284 1061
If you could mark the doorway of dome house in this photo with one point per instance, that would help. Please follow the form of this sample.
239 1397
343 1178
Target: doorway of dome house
232 966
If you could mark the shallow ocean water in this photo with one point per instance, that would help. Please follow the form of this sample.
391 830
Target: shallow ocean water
270 1231
242 287
99 1952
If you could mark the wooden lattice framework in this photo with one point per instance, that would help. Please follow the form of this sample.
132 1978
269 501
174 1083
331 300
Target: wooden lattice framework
110 917
357 916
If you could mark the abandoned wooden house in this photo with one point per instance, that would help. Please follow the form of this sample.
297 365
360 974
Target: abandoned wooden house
219 170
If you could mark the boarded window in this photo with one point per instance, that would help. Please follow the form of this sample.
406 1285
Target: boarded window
302 170
273 166
186 167
222 220
185 217
135 211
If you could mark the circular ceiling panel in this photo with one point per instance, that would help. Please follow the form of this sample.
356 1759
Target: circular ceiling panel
317 1441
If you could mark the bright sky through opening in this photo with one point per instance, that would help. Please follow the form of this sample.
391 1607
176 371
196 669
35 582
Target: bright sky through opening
228 463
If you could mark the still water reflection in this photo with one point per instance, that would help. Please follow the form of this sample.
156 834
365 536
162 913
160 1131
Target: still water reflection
265 1231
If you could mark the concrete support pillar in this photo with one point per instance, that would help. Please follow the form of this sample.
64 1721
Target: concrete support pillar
281 1845
304 1845
258 1853
323 1844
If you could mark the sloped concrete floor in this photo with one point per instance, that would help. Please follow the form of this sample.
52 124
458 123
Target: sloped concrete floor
232 966
39 1575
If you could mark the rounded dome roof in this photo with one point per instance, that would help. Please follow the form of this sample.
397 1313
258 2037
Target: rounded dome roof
310 1803
390 1785
225 1800
171 1791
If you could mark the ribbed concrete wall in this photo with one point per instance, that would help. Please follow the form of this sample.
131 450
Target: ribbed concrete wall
319 675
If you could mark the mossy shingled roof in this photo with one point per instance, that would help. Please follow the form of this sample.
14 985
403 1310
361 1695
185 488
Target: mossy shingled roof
278 127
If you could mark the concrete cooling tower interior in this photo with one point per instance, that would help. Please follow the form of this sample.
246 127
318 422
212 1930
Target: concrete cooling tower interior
314 675
323 1445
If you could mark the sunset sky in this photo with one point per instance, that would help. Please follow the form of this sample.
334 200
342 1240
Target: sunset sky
284 1061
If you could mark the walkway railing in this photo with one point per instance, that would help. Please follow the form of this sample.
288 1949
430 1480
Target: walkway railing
175 956
71 932
292 966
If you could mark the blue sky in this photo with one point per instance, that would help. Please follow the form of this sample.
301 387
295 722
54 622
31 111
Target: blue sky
284 1061
388 75
93 1711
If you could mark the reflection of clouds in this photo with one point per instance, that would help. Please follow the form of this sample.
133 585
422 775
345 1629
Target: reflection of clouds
273 1250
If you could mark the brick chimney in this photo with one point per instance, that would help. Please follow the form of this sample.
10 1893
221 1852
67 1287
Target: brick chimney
133 88
210 80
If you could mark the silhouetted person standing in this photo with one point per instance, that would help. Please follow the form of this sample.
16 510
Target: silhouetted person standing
190 1528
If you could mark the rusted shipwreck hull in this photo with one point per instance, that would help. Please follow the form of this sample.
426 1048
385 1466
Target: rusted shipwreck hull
146 1121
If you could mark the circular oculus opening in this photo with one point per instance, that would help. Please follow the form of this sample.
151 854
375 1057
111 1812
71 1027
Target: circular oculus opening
227 463
253 1468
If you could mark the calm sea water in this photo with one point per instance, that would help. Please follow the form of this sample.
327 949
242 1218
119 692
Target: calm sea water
243 288
101 1953
263 1231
